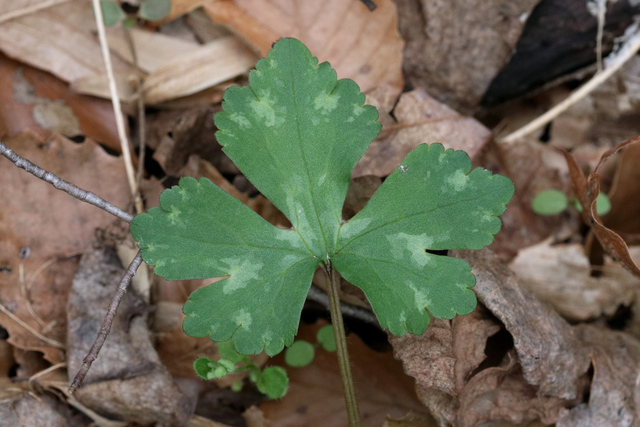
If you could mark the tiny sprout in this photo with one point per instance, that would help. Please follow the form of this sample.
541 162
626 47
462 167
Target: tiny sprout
300 354
549 202
552 202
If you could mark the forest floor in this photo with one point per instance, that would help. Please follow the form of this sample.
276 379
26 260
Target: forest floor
555 338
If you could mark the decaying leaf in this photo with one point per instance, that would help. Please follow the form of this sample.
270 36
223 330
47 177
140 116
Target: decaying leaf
22 408
27 92
587 191
625 203
540 371
614 388
208 65
127 379
455 49
421 119
39 245
29 39
370 55
560 275
554 367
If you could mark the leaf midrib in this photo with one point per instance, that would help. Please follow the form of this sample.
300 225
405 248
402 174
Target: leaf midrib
388 223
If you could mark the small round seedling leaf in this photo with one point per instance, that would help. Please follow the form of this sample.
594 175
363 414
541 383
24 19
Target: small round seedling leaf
603 204
300 354
326 338
129 22
273 382
227 350
111 12
203 367
155 10
549 202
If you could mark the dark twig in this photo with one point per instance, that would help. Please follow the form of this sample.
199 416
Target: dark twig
106 323
60 184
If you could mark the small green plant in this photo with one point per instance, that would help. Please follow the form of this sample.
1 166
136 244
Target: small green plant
301 352
552 202
272 381
296 133
151 10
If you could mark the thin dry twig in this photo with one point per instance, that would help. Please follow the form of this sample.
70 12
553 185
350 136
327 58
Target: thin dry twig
37 334
26 295
106 323
115 101
615 61
46 371
30 9
61 184
141 111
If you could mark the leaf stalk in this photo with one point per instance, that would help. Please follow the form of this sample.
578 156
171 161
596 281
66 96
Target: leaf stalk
341 346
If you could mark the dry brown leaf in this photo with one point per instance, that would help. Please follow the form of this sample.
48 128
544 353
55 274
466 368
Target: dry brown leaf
465 380
208 65
549 354
533 167
560 275
72 54
614 389
625 203
182 7
127 379
177 135
360 45
27 92
42 230
455 48
315 397
21 408
410 420
421 119
153 49
198 421
501 394
587 191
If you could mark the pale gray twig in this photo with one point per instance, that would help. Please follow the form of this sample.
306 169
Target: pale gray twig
106 323
61 184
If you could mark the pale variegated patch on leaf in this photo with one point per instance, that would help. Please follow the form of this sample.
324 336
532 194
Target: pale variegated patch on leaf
297 132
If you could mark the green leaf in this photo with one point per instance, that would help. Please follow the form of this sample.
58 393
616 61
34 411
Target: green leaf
603 204
227 350
203 367
549 202
431 201
300 354
273 382
200 231
297 133
129 22
111 12
155 10
327 338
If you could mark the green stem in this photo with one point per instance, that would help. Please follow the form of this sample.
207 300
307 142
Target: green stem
341 347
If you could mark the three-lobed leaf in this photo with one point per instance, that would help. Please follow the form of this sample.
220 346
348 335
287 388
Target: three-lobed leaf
297 132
